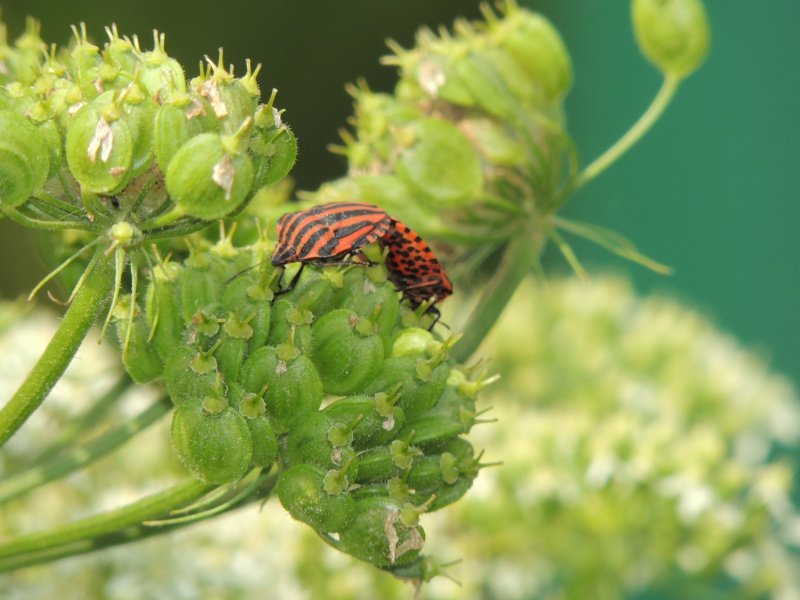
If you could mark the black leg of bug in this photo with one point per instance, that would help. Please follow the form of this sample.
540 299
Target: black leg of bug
292 283
437 314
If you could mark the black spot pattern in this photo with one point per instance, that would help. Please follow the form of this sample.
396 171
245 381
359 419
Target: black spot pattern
412 266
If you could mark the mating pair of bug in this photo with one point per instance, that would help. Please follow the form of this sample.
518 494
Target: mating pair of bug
325 234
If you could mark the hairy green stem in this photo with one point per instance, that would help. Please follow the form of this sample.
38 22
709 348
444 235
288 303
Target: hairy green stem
115 528
79 457
77 321
22 219
85 530
633 135
520 257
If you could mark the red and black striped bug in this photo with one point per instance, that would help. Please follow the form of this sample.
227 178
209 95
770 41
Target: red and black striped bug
328 231
413 267
325 233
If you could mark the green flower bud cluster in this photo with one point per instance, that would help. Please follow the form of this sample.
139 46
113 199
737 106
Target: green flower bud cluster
360 409
92 136
473 139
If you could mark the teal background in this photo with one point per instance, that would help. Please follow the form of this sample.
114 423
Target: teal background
711 191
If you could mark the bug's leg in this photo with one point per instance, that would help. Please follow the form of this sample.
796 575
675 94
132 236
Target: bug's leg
292 283
437 315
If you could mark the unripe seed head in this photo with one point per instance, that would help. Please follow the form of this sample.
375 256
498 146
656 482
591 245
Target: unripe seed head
672 34
217 448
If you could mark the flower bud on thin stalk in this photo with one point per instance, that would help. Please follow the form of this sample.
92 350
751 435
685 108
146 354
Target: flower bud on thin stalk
672 34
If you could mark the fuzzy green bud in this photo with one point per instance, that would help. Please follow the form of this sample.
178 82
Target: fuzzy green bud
433 429
487 87
163 76
301 490
379 534
140 357
378 465
282 329
99 149
440 163
307 441
538 48
347 354
417 394
372 428
179 120
237 298
265 443
273 145
205 181
16 177
24 159
412 341
55 144
672 34
293 387
367 293
199 290
216 447
183 382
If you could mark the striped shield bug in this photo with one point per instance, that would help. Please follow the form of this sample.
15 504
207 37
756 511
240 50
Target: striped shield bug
322 234
413 267
328 231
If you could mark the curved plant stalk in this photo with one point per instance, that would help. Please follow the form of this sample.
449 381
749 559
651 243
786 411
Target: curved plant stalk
119 267
81 456
120 526
81 315
50 225
92 533
633 135
568 254
61 267
611 241
132 310
258 479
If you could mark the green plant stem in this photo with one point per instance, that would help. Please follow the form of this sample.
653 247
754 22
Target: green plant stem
117 527
92 532
633 135
77 321
79 457
22 219
520 257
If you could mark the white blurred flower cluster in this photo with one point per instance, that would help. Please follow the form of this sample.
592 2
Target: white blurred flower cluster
645 455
